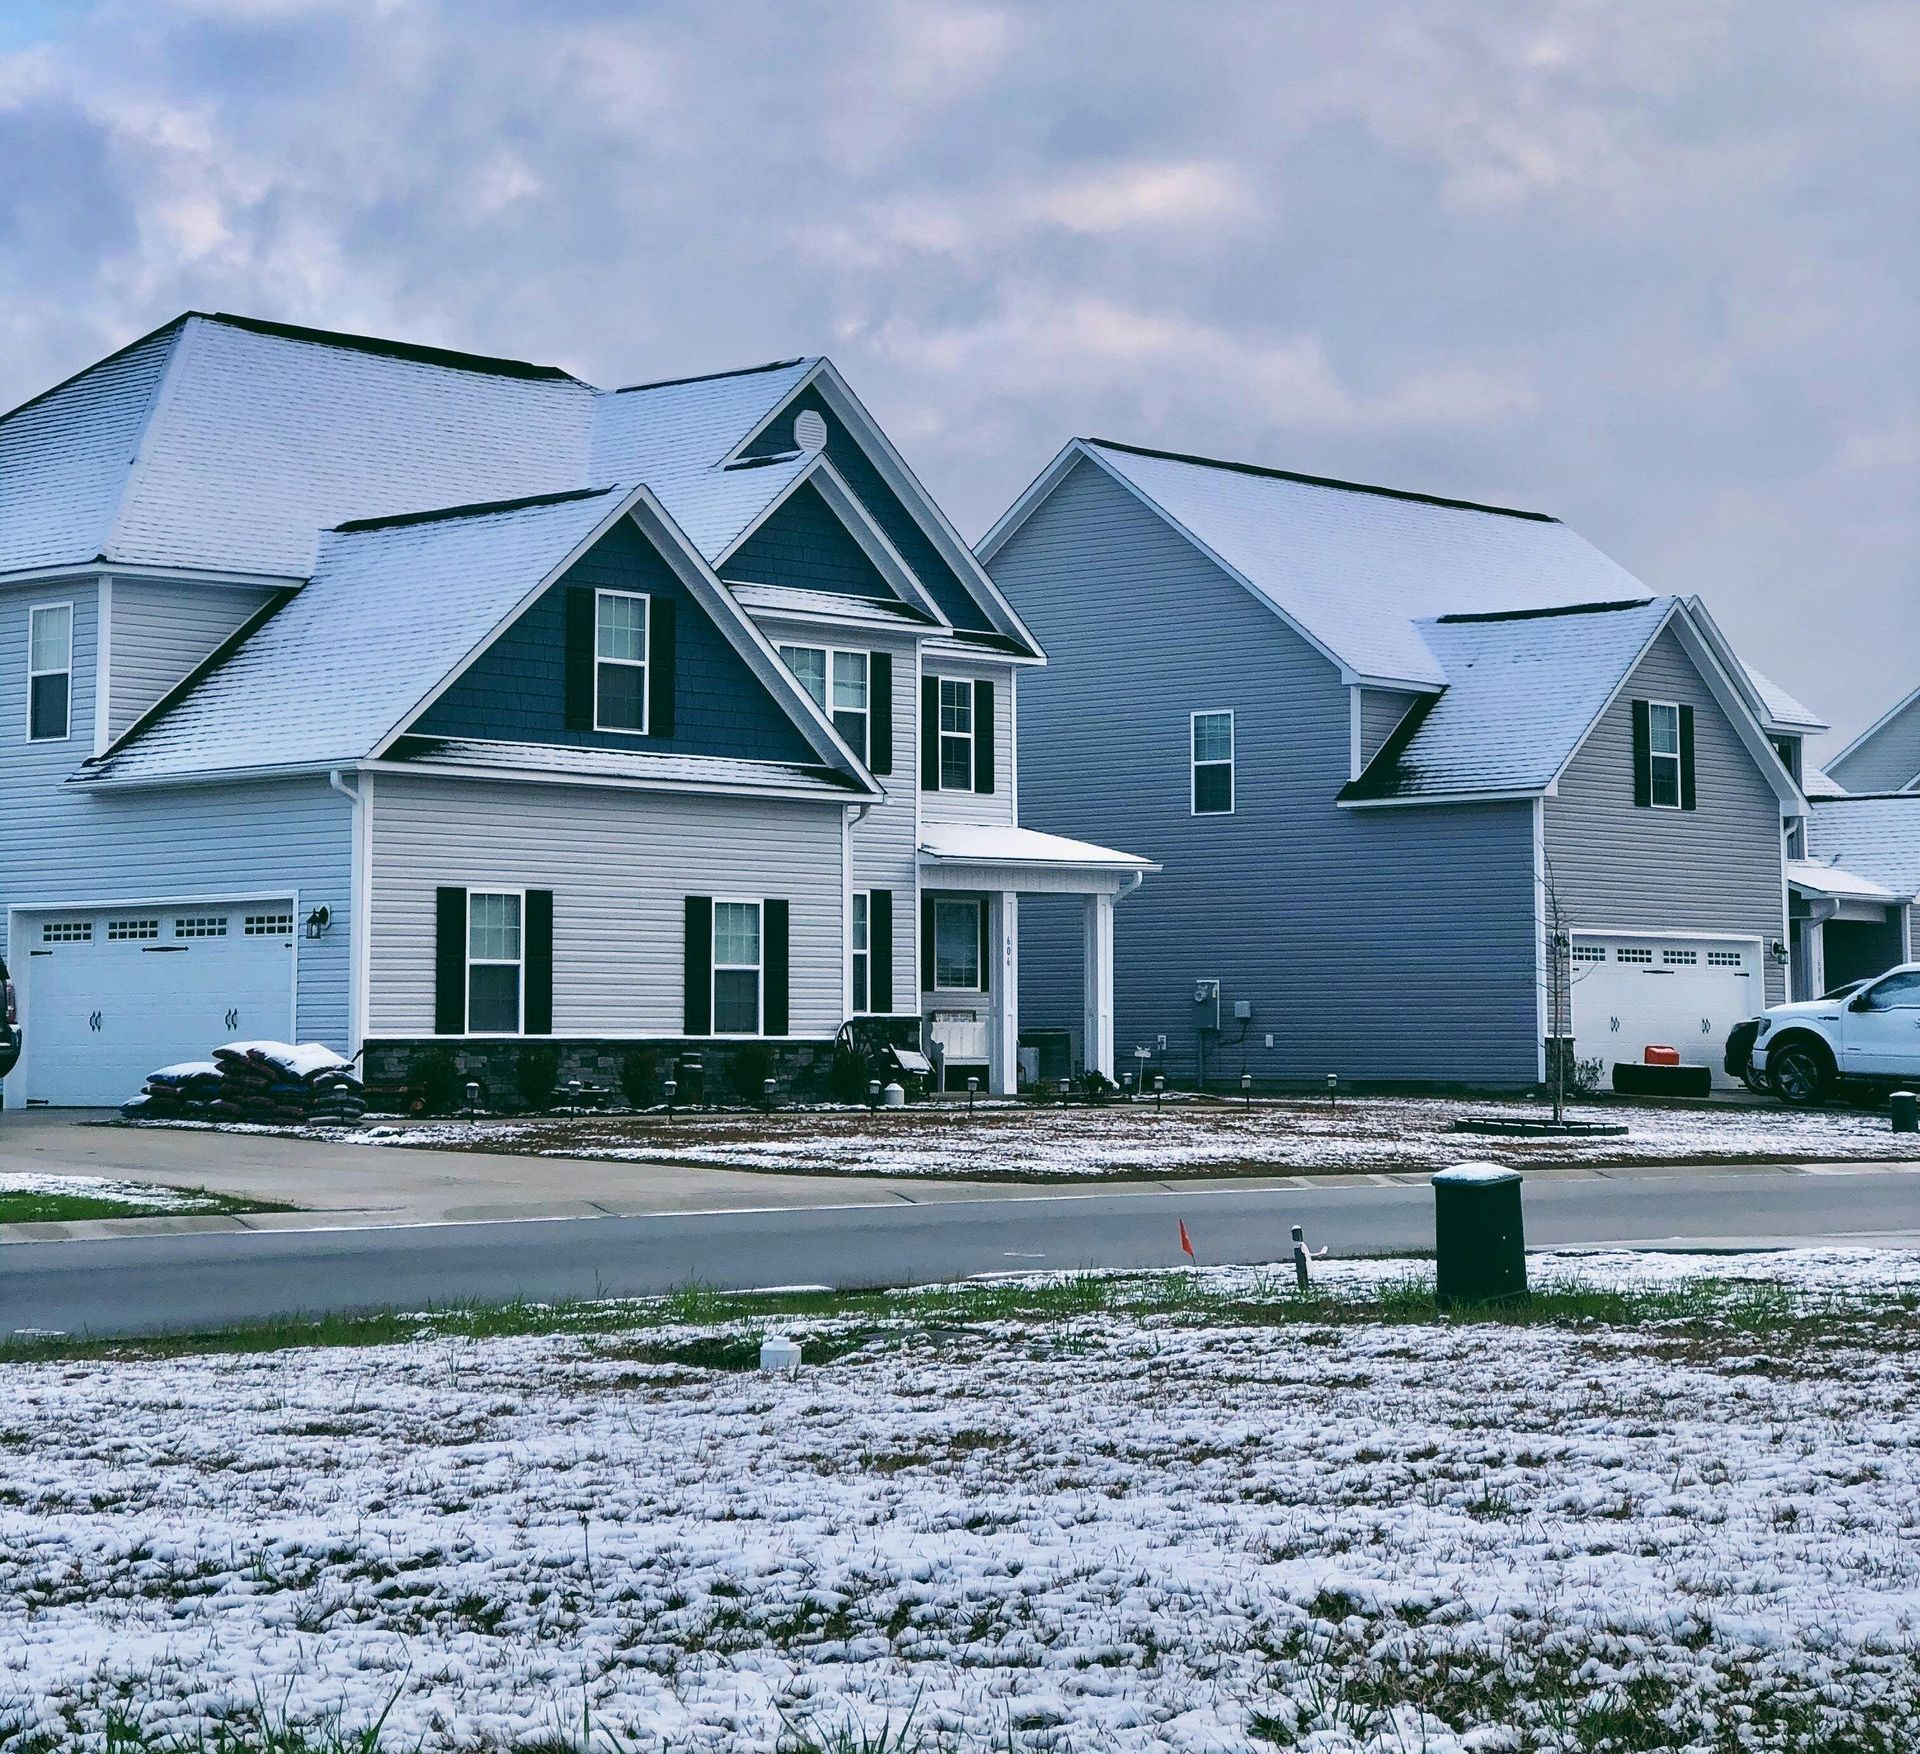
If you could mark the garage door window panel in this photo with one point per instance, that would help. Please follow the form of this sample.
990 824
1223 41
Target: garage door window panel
49 672
494 958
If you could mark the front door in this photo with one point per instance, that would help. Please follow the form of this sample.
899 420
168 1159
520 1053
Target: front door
1883 1040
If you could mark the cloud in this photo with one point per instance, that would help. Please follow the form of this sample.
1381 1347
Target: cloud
1650 267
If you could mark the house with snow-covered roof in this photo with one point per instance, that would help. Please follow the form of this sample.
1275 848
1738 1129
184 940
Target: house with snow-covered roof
414 701
1436 785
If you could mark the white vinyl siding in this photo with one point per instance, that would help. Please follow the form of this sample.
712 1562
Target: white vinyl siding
619 922
963 803
160 631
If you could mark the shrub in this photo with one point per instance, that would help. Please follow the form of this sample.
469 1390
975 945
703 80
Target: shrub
437 1084
536 1072
640 1078
848 1076
1096 1086
748 1070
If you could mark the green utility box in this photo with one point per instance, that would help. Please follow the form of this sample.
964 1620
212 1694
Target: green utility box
1479 1243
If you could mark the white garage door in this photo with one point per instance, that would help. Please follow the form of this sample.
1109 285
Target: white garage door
1685 993
109 995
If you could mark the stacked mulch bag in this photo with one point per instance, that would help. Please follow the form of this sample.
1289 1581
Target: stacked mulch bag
270 1082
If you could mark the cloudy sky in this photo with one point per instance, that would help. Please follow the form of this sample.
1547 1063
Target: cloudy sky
1651 265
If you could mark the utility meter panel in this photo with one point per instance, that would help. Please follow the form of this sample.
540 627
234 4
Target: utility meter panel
1206 1005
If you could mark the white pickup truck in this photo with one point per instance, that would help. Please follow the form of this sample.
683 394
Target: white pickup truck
1869 1034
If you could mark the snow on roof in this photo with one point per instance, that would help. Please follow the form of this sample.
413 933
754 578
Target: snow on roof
1816 782
1522 692
1354 567
1000 844
1876 836
1810 874
390 611
794 600
1781 707
705 771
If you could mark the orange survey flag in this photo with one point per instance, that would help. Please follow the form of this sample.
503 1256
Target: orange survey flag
1186 1242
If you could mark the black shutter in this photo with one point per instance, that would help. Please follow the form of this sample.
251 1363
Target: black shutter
1642 756
986 946
536 967
450 962
1686 758
580 637
660 668
926 944
930 733
880 951
880 713
773 967
697 1006
983 754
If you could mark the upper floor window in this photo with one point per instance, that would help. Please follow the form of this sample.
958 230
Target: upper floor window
49 672
1663 748
620 661
839 682
956 735
1213 764
493 963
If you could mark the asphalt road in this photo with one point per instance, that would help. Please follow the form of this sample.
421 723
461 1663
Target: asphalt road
152 1283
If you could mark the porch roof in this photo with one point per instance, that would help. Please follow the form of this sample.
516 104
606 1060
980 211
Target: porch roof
1813 878
1000 856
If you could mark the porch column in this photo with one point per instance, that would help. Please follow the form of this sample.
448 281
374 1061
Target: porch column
1004 1048
1097 1036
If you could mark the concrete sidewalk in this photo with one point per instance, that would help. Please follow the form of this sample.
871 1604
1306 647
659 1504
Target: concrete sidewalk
342 1186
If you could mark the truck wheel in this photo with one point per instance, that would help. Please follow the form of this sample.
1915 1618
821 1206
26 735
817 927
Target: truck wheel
1801 1072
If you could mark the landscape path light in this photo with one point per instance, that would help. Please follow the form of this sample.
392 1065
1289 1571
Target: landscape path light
873 1093
973 1084
766 1094
670 1088
1159 1089
1246 1087
1333 1090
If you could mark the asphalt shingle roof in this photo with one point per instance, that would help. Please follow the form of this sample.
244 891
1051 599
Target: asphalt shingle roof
1522 693
1356 567
1877 837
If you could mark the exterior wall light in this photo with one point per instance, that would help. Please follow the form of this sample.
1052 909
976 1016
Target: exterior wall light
318 921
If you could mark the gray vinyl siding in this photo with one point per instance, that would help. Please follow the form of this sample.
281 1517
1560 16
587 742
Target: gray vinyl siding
159 631
804 544
999 805
1615 866
620 865
1380 944
1381 710
1889 761
73 844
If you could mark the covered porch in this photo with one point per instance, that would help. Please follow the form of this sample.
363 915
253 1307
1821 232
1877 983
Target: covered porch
1844 927
971 880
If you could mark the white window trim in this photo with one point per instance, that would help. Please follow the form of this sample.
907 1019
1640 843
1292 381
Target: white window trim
1678 758
715 967
520 963
643 665
978 904
941 734
33 675
859 901
1231 764
828 654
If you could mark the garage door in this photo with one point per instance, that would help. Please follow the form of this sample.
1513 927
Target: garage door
109 995
1684 993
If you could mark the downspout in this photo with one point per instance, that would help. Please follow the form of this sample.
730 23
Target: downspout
1134 880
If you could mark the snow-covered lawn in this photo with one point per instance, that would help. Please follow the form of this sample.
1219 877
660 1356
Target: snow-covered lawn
26 1197
1206 1525
1374 1133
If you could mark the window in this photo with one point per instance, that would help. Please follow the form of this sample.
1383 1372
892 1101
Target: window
956 735
620 661
861 951
1213 764
200 926
67 932
1663 741
1680 958
49 672
736 968
838 682
1589 953
131 931
1898 992
1634 955
1724 959
269 926
956 945
493 963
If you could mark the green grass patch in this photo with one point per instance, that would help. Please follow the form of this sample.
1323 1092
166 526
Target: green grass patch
706 1329
35 1208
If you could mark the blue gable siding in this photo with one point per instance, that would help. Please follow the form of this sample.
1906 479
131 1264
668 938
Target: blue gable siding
1384 944
870 488
71 844
516 691
805 544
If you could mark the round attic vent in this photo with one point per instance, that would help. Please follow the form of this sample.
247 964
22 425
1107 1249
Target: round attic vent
810 431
